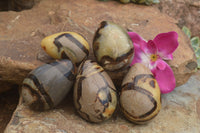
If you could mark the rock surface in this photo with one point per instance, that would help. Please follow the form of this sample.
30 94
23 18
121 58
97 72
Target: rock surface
180 113
8 104
185 12
22 32
13 71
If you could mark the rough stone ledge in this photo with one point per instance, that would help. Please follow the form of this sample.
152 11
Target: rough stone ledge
180 113
20 50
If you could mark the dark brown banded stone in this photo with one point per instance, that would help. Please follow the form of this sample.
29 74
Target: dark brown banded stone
79 86
95 47
55 63
117 60
79 94
136 119
41 90
152 110
70 75
105 81
100 98
79 91
103 24
122 56
57 43
78 63
97 35
98 67
38 104
126 55
51 82
64 55
75 41
131 86
143 91
140 86
145 76
84 115
101 117
72 39
104 102
152 83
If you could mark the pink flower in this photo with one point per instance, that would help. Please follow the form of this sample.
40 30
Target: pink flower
153 53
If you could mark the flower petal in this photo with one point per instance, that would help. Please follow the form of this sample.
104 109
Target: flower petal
136 38
167 57
161 65
150 47
164 76
166 43
137 54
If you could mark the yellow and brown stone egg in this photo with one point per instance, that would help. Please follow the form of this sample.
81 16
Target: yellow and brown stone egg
95 95
46 86
112 46
140 97
66 45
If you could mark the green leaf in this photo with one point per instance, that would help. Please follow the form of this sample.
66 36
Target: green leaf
197 53
147 2
125 1
198 63
156 1
186 31
195 49
195 42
